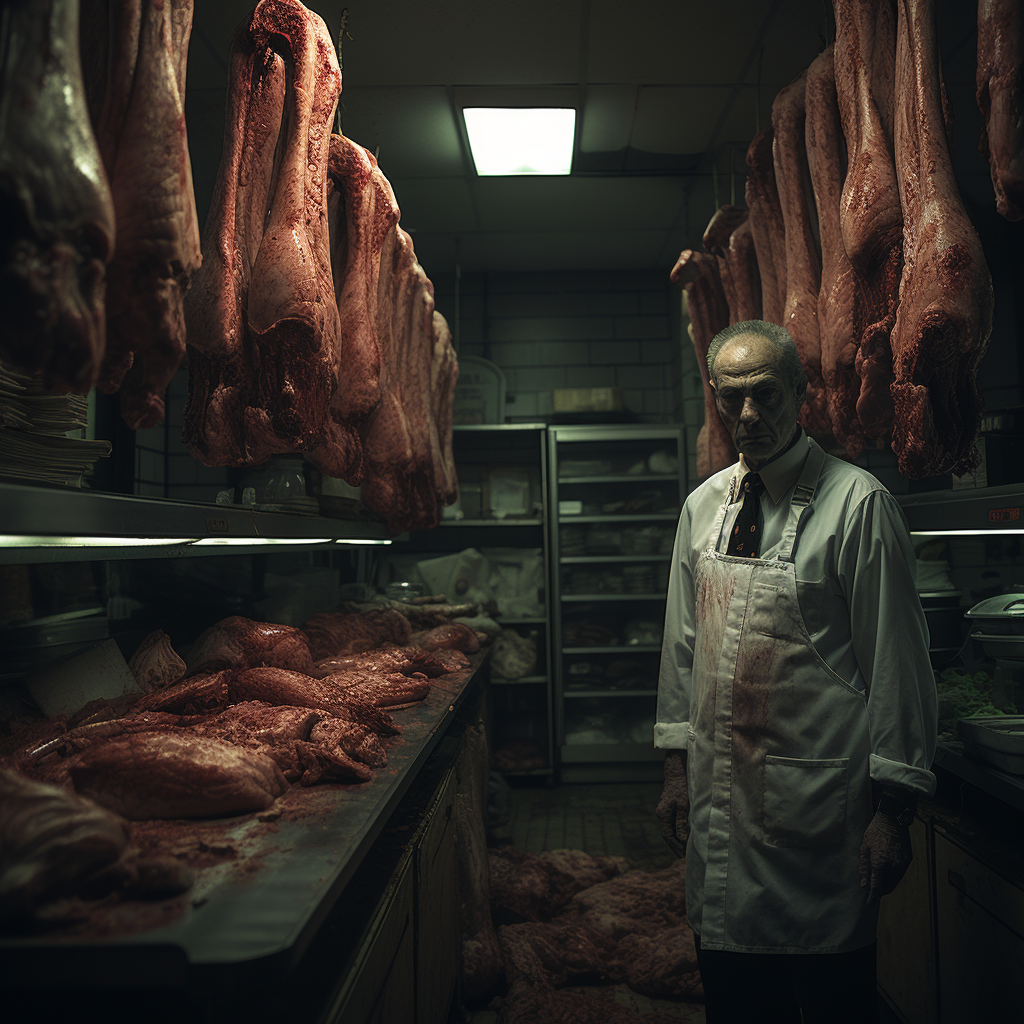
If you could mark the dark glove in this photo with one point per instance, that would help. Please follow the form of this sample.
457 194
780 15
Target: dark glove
673 810
885 851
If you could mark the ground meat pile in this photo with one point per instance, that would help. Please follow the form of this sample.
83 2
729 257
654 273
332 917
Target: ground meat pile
578 934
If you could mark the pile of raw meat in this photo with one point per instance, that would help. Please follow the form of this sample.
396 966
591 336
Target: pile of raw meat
254 708
309 326
571 934
856 240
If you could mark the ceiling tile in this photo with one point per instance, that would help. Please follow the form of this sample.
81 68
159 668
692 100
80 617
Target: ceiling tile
413 128
578 204
607 118
461 42
435 204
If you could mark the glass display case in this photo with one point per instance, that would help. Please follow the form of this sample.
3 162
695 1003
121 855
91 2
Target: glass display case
615 496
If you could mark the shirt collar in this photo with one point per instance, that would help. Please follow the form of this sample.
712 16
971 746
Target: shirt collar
782 473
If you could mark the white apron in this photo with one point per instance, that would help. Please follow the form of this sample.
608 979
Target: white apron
777 762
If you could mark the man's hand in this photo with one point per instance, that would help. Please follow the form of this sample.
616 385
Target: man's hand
673 810
885 855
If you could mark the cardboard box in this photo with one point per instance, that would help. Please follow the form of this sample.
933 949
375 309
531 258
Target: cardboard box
586 400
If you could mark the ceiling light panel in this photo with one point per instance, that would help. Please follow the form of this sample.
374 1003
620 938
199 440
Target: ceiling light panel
521 140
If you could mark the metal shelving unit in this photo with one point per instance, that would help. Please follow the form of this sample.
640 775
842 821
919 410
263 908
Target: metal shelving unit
520 725
614 510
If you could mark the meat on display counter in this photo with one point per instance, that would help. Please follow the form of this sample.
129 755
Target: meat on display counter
260 906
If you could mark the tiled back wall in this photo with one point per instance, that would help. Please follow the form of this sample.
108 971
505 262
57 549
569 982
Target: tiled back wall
575 329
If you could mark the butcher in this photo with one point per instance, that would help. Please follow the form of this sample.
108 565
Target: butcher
796 704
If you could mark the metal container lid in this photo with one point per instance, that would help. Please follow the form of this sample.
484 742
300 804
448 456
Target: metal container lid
1001 615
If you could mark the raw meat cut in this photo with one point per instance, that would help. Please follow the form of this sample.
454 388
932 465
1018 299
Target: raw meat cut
237 642
456 635
279 686
697 275
193 695
333 633
261 314
766 226
283 734
535 887
387 691
360 742
406 660
1000 92
362 212
946 300
135 54
50 841
826 159
155 664
728 237
870 214
803 260
57 212
167 775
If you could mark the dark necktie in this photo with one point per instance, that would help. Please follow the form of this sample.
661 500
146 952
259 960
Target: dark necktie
746 534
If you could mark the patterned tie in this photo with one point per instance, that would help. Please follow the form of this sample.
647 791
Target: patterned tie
746 535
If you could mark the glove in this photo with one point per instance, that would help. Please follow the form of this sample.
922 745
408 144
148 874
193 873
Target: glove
673 810
885 853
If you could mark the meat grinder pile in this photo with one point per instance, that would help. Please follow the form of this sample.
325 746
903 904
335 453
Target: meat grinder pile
856 240
309 326
254 708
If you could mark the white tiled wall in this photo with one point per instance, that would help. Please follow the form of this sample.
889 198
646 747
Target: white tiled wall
572 329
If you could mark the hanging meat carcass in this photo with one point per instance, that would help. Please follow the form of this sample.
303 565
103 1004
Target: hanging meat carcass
261 314
870 214
134 55
826 158
803 261
946 301
58 216
1000 92
362 213
728 237
696 273
766 226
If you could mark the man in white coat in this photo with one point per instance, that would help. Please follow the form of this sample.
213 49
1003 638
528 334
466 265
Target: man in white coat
796 705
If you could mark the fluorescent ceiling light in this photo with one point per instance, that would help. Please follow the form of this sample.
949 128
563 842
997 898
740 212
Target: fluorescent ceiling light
521 140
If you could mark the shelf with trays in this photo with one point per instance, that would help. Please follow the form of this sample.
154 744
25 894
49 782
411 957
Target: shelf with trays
519 680
503 506
615 649
612 553
621 517
61 524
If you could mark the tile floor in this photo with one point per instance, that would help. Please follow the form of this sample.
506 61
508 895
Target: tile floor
605 818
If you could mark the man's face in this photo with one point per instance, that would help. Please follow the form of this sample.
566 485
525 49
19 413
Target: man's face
755 399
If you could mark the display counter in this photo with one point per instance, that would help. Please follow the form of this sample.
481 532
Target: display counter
260 904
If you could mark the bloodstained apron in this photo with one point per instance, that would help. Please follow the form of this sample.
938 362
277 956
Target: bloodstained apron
777 762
